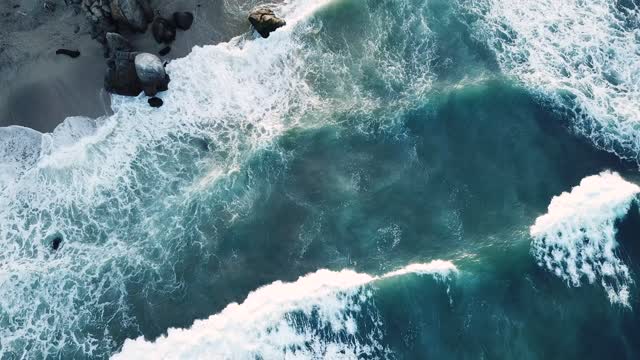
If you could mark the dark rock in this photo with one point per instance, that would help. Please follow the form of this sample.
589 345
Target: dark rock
164 51
76 29
55 243
164 31
99 25
116 42
135 14
121 77
183 20
151 73
146 10
155 102
71 53
265 21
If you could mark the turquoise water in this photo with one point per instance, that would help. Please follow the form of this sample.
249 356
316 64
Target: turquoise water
301 176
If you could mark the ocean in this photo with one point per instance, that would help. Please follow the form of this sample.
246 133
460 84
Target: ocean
379 179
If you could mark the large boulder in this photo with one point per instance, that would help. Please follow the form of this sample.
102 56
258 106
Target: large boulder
151 74
265 21
136 14
121 77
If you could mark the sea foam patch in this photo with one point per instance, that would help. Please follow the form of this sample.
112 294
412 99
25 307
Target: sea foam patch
314 317
582 54
575 239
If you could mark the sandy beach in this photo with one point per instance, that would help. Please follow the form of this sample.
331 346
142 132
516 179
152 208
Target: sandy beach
41 88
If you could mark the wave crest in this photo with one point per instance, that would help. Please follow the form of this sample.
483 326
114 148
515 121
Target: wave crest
575 239
315 316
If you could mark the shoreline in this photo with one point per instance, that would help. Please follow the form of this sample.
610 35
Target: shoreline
43 89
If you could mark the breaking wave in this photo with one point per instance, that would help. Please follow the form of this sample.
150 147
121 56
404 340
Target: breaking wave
96 184
118 191
576 238
326 314
582 54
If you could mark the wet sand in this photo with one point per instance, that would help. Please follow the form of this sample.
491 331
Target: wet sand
40 89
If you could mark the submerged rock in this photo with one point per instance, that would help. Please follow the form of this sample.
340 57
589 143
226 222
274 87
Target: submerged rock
56 242
183 19
265 21
164 31
155 102
70 53
49 5
151 73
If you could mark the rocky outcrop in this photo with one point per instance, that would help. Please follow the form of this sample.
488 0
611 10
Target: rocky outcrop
130 72
135 14
265 21
107 15
98 13
151 73
121 77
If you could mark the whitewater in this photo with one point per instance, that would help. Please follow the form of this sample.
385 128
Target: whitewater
315 316
576 238
270 207
583 55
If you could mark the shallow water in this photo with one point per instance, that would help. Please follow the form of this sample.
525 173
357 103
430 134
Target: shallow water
382 141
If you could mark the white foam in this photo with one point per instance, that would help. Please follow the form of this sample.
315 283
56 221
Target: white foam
575 239
106 185
20 149
584 54
115 187
262 326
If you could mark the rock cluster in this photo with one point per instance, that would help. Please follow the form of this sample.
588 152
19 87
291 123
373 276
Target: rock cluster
108 15
130 72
